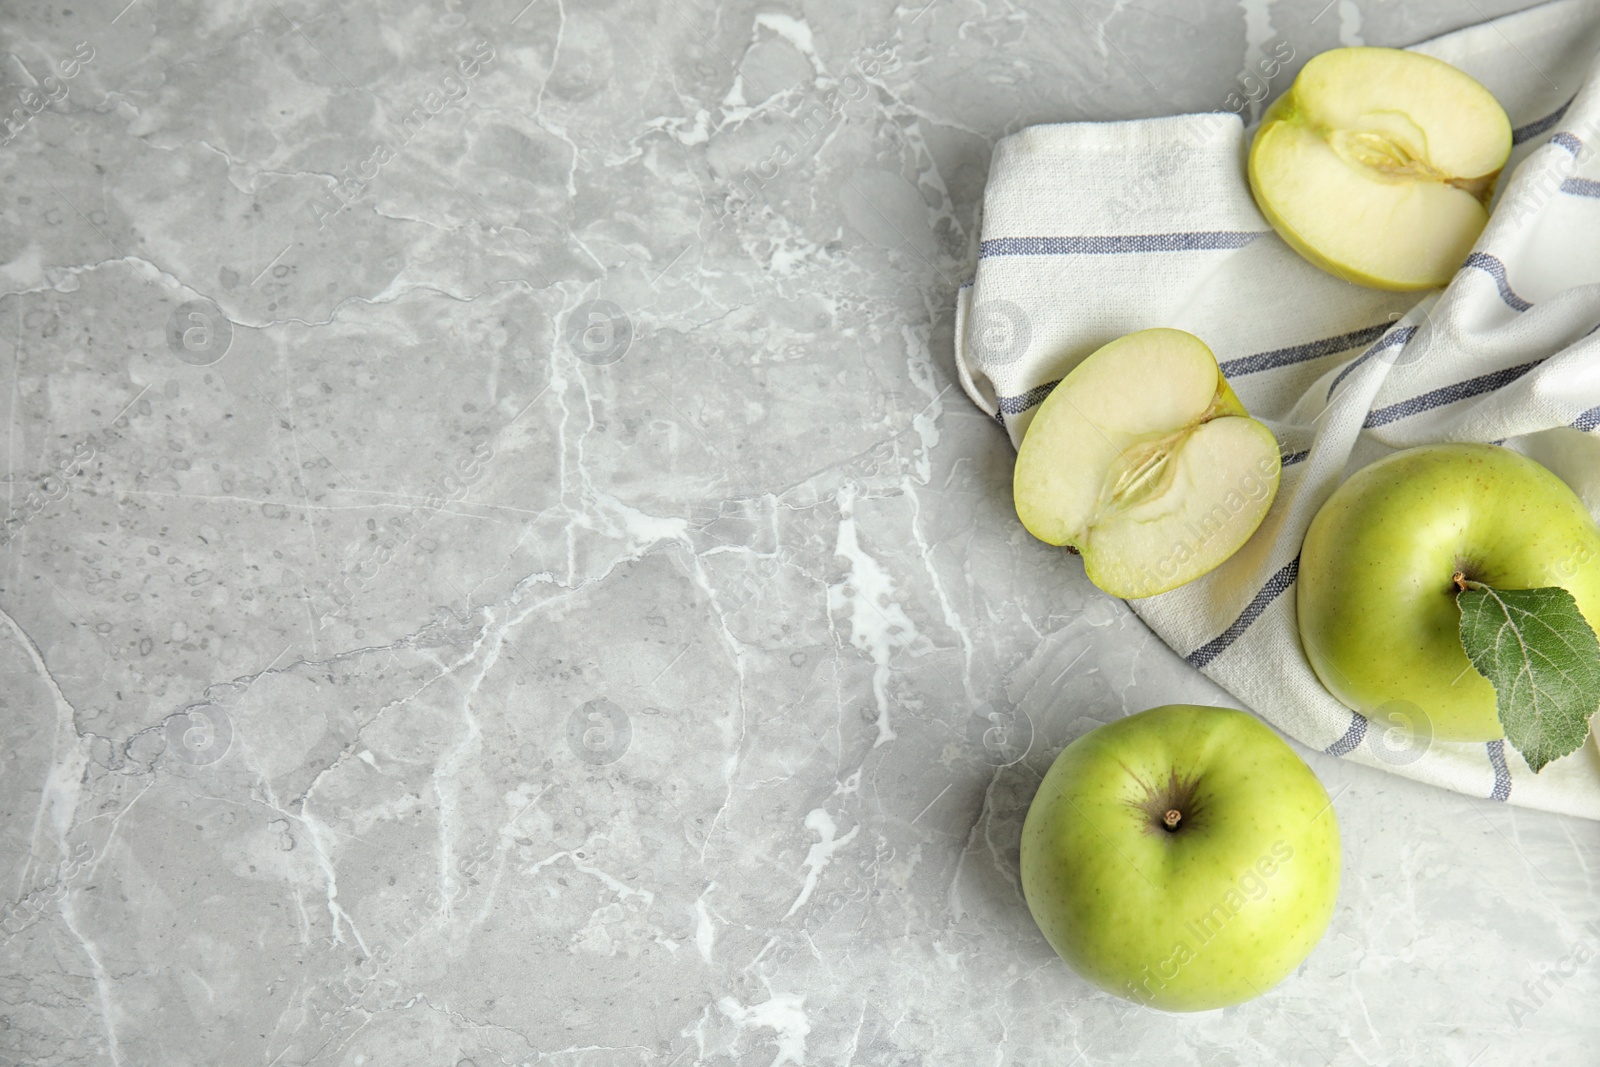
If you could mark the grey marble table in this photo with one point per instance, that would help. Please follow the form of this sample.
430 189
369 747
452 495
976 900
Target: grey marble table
498 569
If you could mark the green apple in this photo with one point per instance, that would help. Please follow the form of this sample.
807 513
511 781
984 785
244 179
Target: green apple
1378 165
1183 857
1144 461
1377 592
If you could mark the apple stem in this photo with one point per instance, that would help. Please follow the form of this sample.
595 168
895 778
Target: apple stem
1463 583
1171 818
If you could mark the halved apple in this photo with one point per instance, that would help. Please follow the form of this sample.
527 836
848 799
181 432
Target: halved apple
1378 165
1144 460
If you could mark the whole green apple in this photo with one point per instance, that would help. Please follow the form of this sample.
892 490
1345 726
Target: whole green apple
1377 593
1183 857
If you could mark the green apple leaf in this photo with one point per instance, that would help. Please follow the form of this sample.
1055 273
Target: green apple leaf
1542 658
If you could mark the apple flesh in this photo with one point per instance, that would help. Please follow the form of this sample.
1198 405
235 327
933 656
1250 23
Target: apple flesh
1377 598
1184 857
1378 165
1144 461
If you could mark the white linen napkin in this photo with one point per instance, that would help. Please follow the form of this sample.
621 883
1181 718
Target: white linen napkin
1094 230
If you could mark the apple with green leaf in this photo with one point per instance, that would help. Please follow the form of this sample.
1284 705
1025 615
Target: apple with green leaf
1144 460
1184 857
1464 581
1378 165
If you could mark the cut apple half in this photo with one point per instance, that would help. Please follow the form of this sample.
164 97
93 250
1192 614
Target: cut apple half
1144 461
1378 165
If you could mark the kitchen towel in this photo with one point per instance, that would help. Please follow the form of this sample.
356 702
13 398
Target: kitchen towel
1094 230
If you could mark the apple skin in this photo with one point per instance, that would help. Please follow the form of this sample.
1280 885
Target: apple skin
1211 914
1377 603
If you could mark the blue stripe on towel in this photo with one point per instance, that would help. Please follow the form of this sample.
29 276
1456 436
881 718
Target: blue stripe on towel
1580 187
1538 126
1283 357
1497 270
1567 141
1393 340
1215 647
1587 421
1352 737
1502 773
1449 394
1016 405
1114 245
